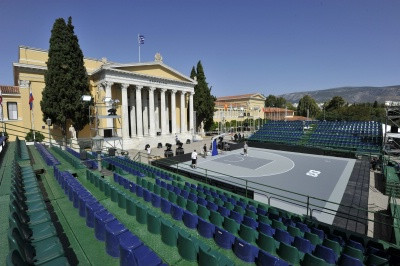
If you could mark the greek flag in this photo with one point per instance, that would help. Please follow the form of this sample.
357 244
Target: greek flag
141 39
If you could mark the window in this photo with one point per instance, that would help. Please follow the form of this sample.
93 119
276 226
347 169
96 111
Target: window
12 111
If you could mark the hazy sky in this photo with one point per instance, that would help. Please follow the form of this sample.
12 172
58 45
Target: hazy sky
271 47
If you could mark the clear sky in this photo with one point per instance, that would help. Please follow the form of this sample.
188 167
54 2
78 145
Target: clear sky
271 47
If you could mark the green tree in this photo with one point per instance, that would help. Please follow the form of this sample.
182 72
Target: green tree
270 101
203 101
335 103
280 102
66 79
307 103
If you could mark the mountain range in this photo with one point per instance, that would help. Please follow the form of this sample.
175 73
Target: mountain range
350 94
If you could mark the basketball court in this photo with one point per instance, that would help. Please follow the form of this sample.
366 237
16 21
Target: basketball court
264 171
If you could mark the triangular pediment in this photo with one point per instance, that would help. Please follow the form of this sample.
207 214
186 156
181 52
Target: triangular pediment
258 96
153 69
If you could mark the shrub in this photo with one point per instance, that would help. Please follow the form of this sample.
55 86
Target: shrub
38 136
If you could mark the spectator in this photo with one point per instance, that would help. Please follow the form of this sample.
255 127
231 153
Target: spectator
194 159
245 147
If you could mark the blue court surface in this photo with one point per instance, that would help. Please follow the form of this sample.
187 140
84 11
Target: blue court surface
263 170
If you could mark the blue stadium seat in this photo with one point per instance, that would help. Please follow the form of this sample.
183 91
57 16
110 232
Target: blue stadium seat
346 260
303 245
245 251
266 259
189 219
205 228
165 206
176 212
266 229
325 253
283 236
223 238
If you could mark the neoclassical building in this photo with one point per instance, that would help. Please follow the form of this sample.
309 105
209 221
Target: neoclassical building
154 102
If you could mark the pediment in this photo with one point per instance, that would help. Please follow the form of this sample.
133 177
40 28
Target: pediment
258 96
154 69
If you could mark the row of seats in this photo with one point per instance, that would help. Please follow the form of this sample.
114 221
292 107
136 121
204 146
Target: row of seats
91 163
119 241
75 162
32 236
193 247
22 151
46 155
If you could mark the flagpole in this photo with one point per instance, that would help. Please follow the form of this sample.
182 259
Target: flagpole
32 115
139 45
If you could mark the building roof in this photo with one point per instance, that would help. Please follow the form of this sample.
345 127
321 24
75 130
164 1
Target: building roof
9 89
239 97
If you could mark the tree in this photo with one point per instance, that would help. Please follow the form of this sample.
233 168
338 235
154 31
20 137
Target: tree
203 101
307 103
270 101
335 103
280 102
66 79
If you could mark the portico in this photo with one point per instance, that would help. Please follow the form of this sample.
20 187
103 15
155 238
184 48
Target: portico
151 106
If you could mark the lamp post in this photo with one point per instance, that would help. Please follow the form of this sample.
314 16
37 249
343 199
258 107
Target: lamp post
48 121
97 146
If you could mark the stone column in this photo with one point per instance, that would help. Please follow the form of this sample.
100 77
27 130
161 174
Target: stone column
139 123
124 111
156 111
191 128
167 101
173 112
145 113
133 112
107 85
151 112
183 122
163 114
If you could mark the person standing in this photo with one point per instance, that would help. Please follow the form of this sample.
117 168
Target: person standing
194 159
148 150
245 147
205 150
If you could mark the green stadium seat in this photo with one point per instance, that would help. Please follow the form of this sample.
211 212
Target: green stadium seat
208 257
187 247
311 260
278 224
153 222
248 234
335 246
131 206
231 225
216 218
169 233
267 243
172 197
264 219
288 253
314 239
353 252
376 260
141 213
192 206
294 231
181 201
203 212
121 199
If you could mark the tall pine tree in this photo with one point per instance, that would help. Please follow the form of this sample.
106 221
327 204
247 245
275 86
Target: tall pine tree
66 79
203 101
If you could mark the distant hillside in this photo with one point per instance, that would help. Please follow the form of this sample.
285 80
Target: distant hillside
350 94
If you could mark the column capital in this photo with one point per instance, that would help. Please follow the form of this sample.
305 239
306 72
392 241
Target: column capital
163 90
107 83
152 89
173 91
124 86
139 88
191 93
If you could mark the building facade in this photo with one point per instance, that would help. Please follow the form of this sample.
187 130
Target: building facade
154 102
239 107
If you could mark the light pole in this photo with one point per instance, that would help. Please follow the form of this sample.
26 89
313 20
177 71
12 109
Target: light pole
97 146
48 121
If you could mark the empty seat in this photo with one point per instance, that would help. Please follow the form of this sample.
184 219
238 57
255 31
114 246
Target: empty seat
335 246
315 240
113 230
318 232
231 225
245 251
356 245
223 238
346 260
100 220
266 229
353 252
283 236
303 227
325 253
376 260
266 259
248 234
169 233
155 200
205 228
288 253
209 257
128 243
187 247
141 214
203 212
303 245
153 222
250 222
278 224
294 231
216 218
189 219
176 212
267 243
311 260
165 206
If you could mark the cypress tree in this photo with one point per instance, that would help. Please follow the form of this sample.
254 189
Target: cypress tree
66 79
203 101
